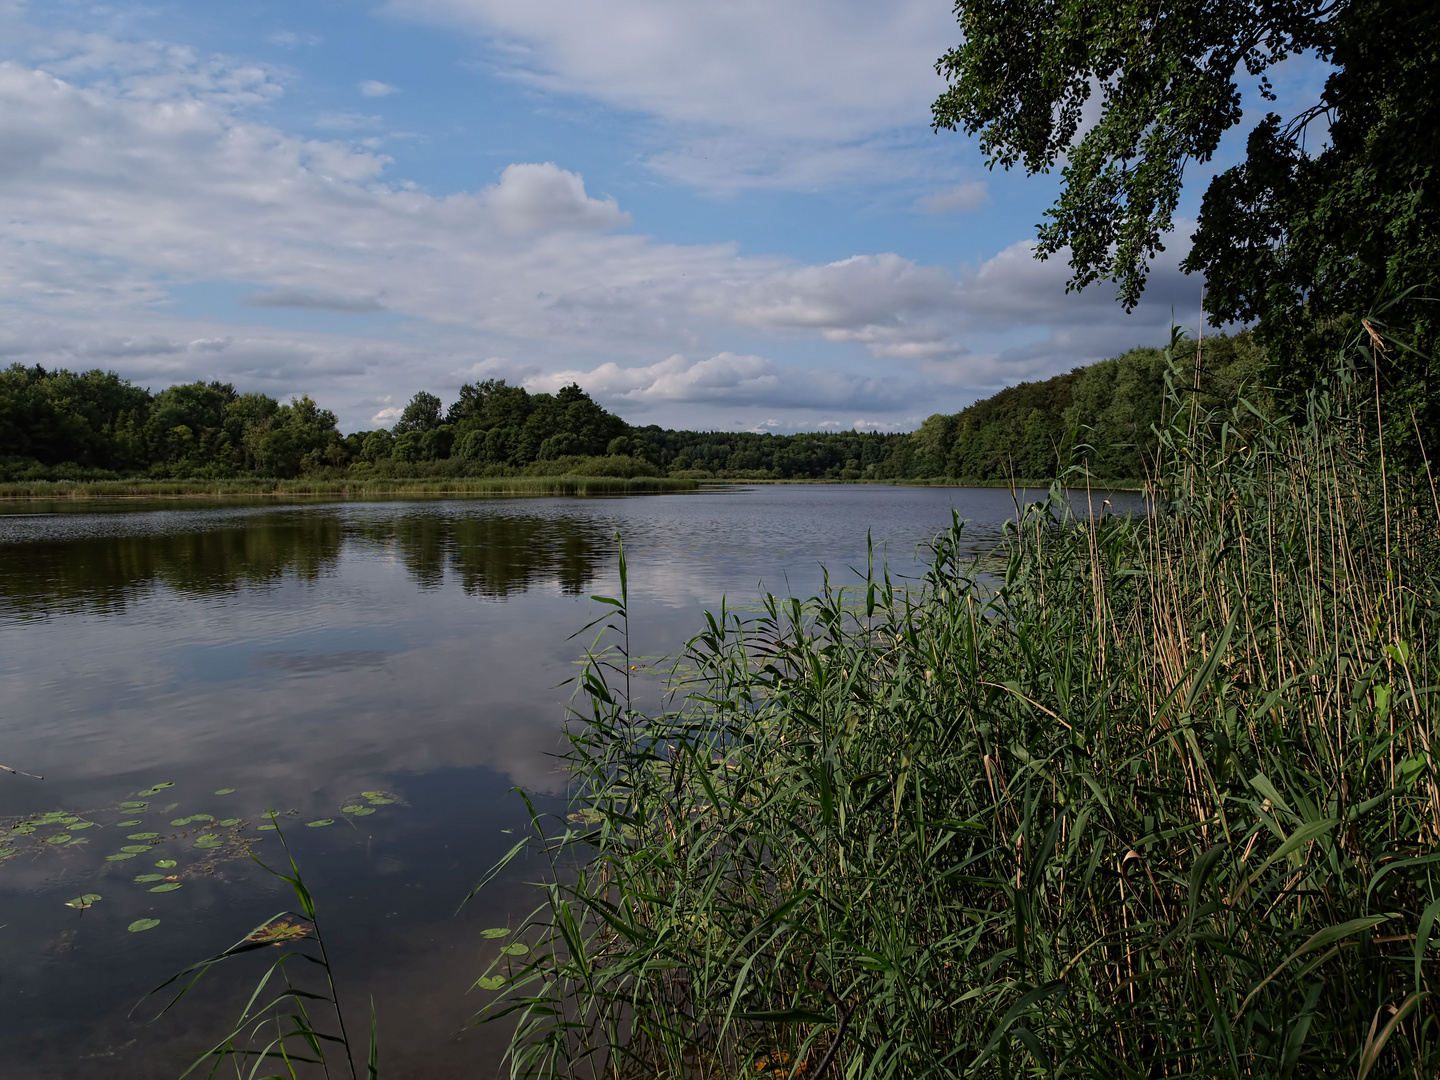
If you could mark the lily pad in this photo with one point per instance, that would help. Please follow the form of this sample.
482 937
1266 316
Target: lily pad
515 948
142 924
169 886
156 788
22 829
145 878
142 836
133 805
267 828
80 903
490 982
229 821
125 824
226 791
208 841
320 824
495 932
180 822
362 811
136 848
381 802
80 825
351 808
121 855
58 838
373 794
165 864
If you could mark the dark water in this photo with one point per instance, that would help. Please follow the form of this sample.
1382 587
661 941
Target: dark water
303 656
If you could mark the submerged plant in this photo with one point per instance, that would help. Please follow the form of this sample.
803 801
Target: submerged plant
1156 798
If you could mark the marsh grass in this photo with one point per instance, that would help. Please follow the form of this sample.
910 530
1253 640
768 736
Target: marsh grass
362 488
1155 798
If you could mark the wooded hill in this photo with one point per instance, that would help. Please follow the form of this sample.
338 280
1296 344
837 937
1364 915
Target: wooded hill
58 425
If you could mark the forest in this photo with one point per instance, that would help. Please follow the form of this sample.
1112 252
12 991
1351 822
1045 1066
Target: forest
96 425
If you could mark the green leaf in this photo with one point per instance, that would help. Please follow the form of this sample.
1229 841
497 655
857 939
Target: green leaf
144 879
122 855
352 808
157 788
142 924
58 838
381 802
363 811
136 849
208 841
169 886
226 791
81 825
319 824
125 824
165 864
515 948
373 794
229 821
266 828
142 836
80 903
180 822
495 932
490 982
133 805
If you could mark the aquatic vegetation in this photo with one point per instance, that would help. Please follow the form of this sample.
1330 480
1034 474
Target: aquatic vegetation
211 840
1157 799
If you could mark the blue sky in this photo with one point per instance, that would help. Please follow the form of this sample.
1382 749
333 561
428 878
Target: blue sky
717 217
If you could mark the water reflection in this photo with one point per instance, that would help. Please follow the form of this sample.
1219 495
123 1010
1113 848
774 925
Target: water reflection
493 555
103 574
114 559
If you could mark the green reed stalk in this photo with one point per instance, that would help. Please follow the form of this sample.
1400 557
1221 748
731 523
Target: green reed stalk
1156 797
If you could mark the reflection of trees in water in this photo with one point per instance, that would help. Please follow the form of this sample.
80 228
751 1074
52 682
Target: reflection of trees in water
101 574
494 555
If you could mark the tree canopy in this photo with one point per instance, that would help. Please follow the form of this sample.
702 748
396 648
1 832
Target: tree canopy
1332 210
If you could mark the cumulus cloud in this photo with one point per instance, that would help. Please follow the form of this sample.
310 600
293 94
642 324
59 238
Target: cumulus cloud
728 379
546 197
376 88
118 186
963 198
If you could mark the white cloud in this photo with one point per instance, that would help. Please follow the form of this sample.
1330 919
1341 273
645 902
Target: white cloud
346 121
727 379
536 198
376 88
963 197
139 179
798 94
318 301
289 39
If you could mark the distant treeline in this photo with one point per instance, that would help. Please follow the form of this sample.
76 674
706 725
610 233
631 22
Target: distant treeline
57 425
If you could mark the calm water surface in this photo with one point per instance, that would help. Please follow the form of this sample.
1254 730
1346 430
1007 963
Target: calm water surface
304 656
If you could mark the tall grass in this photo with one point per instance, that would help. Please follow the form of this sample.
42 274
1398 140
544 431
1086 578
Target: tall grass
510 485
1158 798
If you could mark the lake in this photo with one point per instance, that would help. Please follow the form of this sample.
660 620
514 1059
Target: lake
395 668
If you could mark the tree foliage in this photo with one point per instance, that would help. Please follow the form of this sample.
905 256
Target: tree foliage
1331 210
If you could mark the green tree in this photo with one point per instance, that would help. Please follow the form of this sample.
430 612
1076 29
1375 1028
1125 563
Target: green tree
1331 208
422 414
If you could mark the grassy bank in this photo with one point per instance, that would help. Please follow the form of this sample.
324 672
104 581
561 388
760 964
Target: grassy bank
1160 799
363 488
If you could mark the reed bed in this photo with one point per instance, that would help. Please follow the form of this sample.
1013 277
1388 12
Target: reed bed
511 485
1156 798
